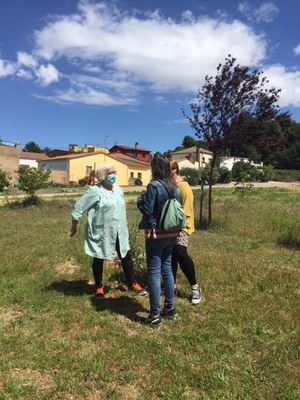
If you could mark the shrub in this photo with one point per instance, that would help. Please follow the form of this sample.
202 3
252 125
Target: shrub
225 175
244 171
205 172
191 175
4 180
31 180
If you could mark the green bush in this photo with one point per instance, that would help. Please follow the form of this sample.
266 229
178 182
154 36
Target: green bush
225 175
191 175
244 171
4 180
31 180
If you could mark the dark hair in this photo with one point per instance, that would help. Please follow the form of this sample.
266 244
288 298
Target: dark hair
161 169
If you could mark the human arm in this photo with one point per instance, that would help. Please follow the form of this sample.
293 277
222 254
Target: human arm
88 199
147 204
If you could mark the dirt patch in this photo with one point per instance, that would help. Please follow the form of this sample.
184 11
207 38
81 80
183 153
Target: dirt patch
9 315
42 381
67 267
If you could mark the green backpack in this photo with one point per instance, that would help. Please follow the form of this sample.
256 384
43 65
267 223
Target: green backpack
172 216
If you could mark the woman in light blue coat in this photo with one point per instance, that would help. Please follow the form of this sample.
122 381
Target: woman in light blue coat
106 230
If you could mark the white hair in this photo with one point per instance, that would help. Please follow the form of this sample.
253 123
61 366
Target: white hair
101 172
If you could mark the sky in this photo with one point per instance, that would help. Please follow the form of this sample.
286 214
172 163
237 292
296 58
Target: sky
121 72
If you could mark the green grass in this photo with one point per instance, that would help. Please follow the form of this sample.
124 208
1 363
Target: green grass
240 342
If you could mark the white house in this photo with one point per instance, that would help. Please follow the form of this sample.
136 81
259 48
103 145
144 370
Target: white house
193 154
228 162
187 164
31 159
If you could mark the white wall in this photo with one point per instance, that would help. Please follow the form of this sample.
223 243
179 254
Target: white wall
229 162
30 163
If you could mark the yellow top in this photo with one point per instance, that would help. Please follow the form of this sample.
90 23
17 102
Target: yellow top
187 197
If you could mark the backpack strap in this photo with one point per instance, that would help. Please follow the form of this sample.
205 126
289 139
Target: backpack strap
171 196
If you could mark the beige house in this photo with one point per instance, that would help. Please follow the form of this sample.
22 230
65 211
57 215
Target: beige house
194 154
71 168
9 159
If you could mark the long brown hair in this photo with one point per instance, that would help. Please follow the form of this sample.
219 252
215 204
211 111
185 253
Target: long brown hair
161 170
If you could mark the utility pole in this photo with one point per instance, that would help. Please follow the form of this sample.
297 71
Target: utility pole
105 137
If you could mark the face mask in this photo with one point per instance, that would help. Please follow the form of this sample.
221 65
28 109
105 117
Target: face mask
111 178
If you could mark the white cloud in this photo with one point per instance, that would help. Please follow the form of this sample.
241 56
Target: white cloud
265 13
167 55
116 55
25 74
26 60
297 50
6 68
286 80
47 74
87 95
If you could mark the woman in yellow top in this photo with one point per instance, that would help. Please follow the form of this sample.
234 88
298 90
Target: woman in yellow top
180 254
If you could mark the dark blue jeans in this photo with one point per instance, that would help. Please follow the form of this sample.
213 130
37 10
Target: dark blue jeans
159 256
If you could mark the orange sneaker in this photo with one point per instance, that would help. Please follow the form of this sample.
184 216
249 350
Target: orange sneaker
138 289
100 293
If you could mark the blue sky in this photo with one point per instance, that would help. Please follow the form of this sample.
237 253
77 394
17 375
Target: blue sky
88 71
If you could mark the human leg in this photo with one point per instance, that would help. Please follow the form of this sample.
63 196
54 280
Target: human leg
186 263
153 255
167 274
97 266
128 268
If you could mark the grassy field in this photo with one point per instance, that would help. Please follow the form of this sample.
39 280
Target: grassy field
240 342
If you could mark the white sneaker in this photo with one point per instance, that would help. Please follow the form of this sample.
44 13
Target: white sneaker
196 295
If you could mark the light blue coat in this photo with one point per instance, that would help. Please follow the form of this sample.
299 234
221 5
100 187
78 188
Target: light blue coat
106 220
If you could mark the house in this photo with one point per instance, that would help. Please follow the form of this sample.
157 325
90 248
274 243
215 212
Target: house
193 154
71 168
136 152
228 162
31 159
88 148
187 164
9 159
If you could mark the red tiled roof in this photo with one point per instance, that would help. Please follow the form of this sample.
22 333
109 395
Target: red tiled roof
128 160
130 148
33 156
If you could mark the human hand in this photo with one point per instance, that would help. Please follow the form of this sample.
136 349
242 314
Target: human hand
73 230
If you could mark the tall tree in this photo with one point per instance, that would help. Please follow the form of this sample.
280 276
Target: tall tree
32 147
224 103
189 141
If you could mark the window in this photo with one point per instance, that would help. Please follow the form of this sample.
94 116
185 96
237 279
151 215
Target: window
131 175
139 175
88 170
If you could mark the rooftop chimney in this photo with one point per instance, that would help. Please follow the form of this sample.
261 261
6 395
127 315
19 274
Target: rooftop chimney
136 145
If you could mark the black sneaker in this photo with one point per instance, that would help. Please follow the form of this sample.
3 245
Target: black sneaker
154 321
169 314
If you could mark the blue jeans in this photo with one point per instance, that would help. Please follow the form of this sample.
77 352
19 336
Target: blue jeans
159 256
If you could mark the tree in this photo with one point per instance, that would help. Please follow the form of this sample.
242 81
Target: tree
32 147
4 180
227 102
189 141
31 180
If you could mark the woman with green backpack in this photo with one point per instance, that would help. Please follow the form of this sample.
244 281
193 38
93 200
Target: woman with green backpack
159 243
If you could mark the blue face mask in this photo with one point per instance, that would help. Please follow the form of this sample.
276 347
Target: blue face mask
111 178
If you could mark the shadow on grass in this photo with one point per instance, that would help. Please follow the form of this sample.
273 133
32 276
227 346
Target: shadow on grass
72 288
290 239
127 306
